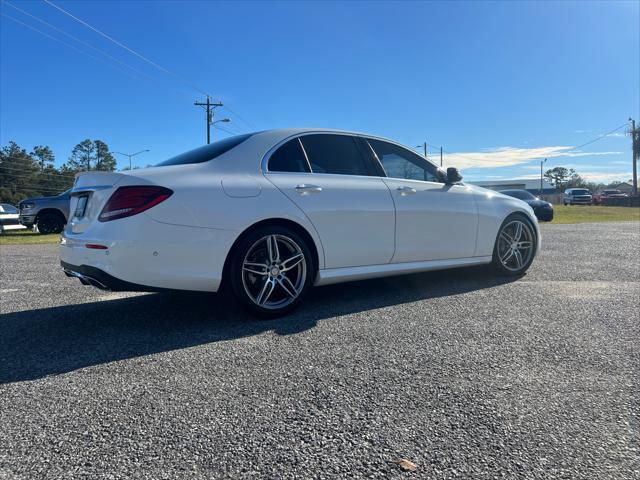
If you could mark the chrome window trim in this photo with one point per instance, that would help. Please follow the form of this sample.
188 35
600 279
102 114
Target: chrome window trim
264 164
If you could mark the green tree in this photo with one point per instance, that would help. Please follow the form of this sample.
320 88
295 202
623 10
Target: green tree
18 174
91 155
82 157
104 159
32 174
561 176
43 155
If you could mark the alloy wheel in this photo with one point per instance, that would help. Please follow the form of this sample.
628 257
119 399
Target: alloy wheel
274 271
516 245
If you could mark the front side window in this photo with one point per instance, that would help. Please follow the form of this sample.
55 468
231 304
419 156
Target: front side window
337 154
289 158
401 163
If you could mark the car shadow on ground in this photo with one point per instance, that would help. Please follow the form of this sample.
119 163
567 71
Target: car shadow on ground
50 341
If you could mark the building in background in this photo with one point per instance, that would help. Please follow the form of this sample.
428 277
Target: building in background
624 187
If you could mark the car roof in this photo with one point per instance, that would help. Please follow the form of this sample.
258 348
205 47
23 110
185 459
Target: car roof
259 144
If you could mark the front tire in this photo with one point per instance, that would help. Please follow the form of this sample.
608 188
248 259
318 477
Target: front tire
271 271
515 246
50 223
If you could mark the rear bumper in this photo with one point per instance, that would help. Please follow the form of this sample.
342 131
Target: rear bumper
140 254
97 278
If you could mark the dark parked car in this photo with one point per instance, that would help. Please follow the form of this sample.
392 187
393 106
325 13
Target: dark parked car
50 214
542 209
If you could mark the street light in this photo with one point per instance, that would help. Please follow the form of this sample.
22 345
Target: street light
130 155
224 120
542 162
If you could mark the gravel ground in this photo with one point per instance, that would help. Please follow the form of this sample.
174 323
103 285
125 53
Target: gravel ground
466 375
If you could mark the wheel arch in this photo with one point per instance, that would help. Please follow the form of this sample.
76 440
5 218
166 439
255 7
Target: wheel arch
281 222
531 219
51 210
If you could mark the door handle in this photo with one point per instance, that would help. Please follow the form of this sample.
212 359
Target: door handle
406 190
306 189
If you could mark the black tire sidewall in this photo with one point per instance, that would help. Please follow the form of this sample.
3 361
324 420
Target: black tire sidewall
50 220
235 270
496 263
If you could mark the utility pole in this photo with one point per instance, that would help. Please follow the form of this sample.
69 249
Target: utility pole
209 108
542 162
634 154
424 145
441 156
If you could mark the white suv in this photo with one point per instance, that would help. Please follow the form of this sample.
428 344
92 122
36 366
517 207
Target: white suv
576 196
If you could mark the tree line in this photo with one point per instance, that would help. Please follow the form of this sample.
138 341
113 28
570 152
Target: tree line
562 178
26 174
29 174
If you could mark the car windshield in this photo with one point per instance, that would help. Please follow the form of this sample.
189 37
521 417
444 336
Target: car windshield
580 192
612 192
521 194
6 208
207 152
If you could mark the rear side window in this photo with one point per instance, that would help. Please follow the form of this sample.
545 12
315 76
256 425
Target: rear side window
337 154
289 158
207 152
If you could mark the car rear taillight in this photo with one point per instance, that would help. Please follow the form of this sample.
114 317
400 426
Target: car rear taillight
127 201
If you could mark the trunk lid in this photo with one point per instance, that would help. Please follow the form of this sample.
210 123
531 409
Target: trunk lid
89 194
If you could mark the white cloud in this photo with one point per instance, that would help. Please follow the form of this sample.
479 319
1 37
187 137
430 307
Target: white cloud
510 156
616 135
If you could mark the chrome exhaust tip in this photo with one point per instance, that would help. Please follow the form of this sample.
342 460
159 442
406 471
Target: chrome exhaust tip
87 280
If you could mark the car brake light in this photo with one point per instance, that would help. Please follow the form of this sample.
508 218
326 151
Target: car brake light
128 201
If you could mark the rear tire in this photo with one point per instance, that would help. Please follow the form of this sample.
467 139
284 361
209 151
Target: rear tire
50 223
515 246
271 271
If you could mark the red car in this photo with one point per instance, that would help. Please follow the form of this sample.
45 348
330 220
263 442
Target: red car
600 196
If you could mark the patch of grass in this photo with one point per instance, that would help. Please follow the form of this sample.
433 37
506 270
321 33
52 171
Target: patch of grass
25 237
592 213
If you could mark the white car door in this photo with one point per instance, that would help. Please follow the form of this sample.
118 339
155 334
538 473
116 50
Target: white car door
330 179
434 221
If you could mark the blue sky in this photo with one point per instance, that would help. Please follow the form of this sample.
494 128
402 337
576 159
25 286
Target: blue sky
498 84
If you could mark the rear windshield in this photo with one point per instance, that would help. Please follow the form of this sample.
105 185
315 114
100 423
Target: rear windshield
521 194
580 192
207 152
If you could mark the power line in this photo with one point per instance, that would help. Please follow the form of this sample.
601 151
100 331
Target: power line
67 44
226 130
29 188
602 136
130 50
251 126
35 172
151 62
99 50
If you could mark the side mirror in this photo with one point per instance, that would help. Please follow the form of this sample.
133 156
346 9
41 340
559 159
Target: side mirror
453 176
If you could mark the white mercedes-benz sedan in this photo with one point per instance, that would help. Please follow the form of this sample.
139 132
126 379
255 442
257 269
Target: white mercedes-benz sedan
272 213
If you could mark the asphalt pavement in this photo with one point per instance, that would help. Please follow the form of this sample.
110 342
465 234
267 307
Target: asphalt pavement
462 373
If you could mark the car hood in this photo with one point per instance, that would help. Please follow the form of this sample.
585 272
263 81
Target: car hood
538 203
37 199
